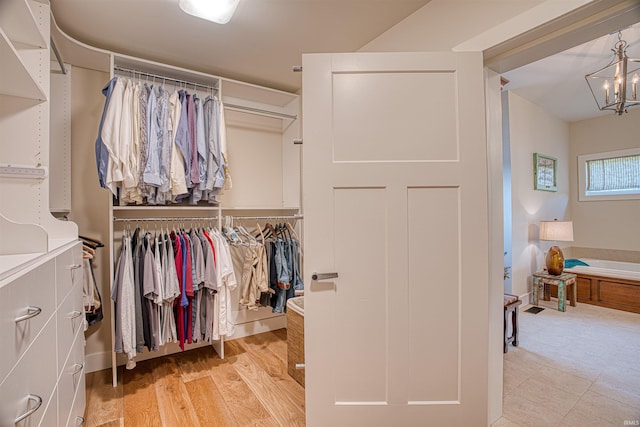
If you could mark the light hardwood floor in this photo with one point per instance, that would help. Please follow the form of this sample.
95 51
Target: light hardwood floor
578 368
250 387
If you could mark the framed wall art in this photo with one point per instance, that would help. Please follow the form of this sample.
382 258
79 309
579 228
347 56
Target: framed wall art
545 171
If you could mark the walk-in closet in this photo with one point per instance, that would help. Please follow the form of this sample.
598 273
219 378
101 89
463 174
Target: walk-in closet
286 214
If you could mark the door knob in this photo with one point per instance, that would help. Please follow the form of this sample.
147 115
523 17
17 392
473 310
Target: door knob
324 276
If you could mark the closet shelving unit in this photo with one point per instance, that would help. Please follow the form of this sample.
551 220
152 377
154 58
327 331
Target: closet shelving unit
42 365
19 33
265 165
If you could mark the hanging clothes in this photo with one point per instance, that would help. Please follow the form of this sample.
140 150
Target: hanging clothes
172 286
268 266
155 147
123 295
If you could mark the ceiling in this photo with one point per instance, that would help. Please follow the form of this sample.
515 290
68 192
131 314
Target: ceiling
261 43
266 38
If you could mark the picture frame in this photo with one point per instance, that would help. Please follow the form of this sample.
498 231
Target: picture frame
545 172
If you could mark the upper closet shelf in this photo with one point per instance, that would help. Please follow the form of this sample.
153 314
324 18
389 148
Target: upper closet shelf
17 79
254 93
19 24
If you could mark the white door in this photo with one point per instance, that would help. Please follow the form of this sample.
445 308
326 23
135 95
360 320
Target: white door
395 202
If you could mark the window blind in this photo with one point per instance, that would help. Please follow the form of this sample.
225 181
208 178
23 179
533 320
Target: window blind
616 173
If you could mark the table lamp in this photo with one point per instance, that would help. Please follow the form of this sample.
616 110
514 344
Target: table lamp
556 231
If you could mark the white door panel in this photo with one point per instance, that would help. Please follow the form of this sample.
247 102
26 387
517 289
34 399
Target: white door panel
395 197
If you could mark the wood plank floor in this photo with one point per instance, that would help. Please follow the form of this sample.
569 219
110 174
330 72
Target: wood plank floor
250 387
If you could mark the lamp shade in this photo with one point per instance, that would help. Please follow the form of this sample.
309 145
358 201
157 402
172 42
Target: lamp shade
558 231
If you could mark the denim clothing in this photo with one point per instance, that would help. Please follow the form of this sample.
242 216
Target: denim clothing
297 280
284 271
282 264
102 155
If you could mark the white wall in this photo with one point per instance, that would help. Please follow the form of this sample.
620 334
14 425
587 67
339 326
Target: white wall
89 202
604 224
533 130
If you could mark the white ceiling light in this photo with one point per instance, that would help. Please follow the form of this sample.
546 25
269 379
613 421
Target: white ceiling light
219 11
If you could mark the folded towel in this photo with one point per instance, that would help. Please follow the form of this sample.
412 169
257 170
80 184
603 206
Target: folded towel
572 262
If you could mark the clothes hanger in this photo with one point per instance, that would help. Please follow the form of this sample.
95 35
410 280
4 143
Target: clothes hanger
270 228
95 242
292 230
260 230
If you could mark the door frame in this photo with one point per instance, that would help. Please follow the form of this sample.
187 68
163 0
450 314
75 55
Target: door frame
593 20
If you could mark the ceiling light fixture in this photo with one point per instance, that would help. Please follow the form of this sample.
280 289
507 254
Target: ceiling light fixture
615 87
219 11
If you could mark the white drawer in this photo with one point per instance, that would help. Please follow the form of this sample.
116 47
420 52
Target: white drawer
76 416
34 375
68 271
71 379
50 416
70 318
25 295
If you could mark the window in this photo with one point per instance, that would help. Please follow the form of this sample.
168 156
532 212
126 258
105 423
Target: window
609 176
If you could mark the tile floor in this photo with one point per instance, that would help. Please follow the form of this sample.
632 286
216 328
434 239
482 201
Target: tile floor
577 368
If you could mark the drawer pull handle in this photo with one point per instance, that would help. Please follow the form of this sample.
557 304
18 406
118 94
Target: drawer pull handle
77 368
74 314
34 398
81 420
75 266
31 312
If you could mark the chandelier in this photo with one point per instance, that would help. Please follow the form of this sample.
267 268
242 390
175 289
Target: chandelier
615 87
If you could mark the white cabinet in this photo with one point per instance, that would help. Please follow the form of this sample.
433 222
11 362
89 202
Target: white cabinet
43 373
41 313
25 308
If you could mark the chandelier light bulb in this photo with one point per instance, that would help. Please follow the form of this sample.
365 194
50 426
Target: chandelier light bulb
622 72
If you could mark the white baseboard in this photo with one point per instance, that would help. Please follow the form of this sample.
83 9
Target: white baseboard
102 360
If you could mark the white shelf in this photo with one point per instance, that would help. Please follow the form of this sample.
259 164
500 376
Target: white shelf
260 208
165 208
20 25
17 79
256 94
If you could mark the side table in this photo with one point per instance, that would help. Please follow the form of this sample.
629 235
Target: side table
564 280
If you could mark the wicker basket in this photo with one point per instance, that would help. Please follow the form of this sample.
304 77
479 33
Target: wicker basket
295 338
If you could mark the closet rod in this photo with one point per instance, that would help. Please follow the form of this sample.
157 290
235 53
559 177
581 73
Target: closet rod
259 111
163 78
173 218
54 48
247 218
